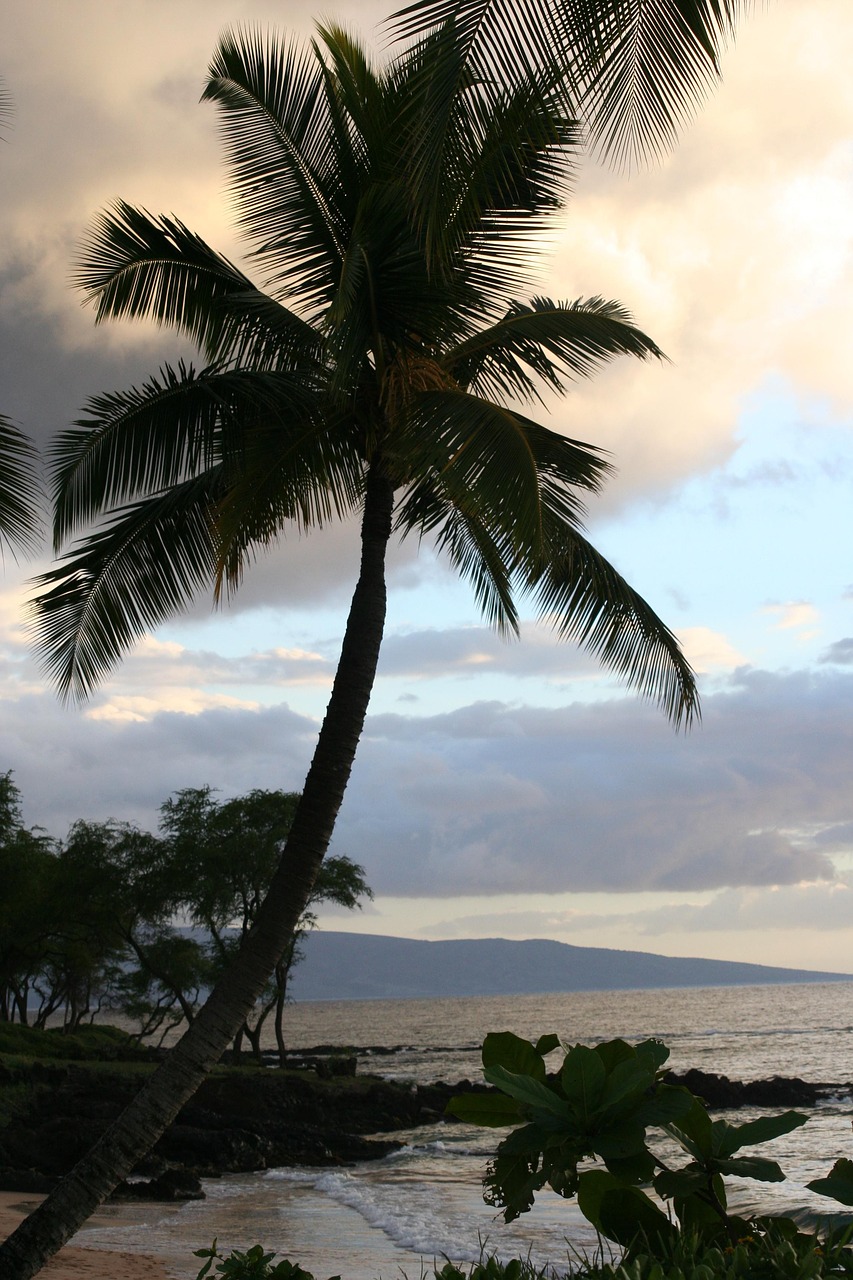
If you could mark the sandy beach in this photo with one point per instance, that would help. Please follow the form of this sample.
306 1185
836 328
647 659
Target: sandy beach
76 1263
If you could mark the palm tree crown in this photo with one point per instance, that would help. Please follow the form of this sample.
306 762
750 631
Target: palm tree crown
394 213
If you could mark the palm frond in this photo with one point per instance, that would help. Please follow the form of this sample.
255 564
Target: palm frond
486 161
639 68
488 492
546 342
587 601
138 442
275 128
138 266
471 547
644 67
506 38
20 492
300 472
144 566
503 499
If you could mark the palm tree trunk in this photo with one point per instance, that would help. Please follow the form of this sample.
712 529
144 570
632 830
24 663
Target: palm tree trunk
136 1130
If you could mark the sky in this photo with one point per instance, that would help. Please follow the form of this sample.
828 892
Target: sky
500 789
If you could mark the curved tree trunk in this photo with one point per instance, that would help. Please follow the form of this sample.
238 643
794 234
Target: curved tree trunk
133 1134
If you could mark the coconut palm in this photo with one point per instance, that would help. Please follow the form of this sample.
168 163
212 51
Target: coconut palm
636 70
18 488
381 373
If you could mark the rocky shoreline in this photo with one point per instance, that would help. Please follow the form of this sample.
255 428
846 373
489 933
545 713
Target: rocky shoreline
248 1118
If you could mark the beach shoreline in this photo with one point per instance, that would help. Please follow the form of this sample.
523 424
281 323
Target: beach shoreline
80 1262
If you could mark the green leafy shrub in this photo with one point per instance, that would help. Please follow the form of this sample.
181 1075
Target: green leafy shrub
775 1251
254 1264
600 1129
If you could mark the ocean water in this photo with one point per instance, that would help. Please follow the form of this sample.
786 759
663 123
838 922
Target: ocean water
424 1203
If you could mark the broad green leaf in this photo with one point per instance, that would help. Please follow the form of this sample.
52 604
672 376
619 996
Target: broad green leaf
680 1182
489 1110
628 1080
669 1103
511 1183
699 1218
621 1142
626 1213
612 1052
503 1049
733 1137
531 1092
547 1044
693 1131
583 1079
653 1050
750 1167
838 1185
592 1187
633 1169
531 1139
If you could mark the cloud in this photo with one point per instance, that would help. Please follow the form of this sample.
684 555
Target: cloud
493 798
841 652
792 616
471 651
614 802
787 907
802 908
706 650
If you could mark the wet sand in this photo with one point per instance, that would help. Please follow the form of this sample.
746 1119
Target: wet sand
76 1262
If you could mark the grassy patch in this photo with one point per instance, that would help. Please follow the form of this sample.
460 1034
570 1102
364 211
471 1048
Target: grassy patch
84 1044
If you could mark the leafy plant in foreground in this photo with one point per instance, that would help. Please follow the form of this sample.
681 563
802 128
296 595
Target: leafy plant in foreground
253 1264
599 1107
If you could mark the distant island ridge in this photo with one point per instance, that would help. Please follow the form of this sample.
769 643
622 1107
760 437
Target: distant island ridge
363 966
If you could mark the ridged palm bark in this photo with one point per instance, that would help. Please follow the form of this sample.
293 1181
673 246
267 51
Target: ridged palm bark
381 373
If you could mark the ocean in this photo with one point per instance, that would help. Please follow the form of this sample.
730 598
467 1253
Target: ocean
424 1203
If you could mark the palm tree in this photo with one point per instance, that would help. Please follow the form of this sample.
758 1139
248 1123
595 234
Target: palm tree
383 372
636 70
18 488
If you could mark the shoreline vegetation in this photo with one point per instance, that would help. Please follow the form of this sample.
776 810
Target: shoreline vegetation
58 1092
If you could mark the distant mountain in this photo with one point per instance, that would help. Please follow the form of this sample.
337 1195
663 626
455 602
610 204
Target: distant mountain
354 966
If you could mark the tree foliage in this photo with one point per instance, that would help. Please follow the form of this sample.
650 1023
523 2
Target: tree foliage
88 923
225 854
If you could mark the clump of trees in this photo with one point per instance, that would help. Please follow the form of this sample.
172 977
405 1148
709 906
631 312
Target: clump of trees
113 918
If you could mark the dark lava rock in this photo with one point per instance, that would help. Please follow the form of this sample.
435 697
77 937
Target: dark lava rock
719 1092
238 1121
175 1185
248 1119
26 1180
